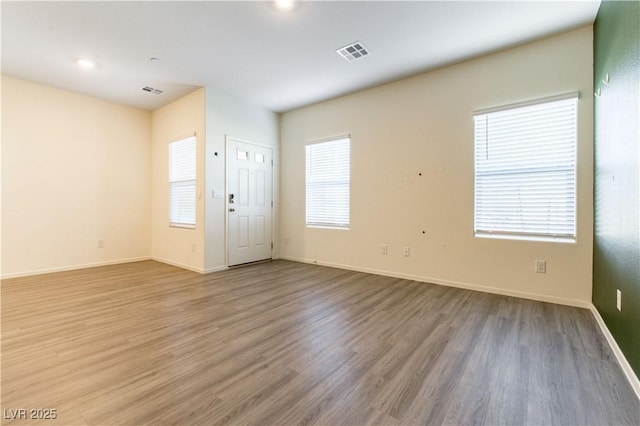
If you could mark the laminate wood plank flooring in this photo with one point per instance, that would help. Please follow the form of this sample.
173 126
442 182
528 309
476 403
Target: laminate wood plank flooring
285 343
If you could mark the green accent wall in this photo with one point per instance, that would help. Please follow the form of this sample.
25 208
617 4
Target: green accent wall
616 255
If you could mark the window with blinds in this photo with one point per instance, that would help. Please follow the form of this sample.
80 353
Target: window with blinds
328 180
525 170
182 183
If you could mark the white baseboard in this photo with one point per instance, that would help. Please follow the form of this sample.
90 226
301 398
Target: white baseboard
448 283
189 267
622 360
178 264
111 262
215 269
72 267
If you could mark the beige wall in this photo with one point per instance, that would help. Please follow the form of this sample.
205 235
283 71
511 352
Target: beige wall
0 182
75 170
78 169
1 80
177 246
424 125
230 116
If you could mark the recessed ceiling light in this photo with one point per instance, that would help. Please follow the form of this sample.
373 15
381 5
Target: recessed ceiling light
284 4
86 64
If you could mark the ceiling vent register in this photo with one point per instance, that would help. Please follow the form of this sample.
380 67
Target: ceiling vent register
152 90
353 51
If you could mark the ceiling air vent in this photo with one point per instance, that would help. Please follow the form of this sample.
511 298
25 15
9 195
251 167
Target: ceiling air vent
152 90
353 51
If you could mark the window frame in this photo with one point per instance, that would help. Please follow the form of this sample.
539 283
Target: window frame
340 180
178 178
568 207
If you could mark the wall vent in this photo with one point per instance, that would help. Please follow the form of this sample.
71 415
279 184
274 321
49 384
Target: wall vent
353 51
152 90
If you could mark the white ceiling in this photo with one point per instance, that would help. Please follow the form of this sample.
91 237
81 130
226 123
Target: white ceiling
274 59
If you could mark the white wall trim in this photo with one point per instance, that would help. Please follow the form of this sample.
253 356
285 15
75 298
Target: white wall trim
622 360
215 269
112 262
73 267
178 264
633 379
448 283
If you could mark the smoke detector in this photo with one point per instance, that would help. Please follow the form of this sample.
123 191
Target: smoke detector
152 90
353 51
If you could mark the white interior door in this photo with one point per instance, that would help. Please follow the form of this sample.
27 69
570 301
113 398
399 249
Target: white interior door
249 202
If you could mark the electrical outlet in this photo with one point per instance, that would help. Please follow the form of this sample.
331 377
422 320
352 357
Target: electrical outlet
406 252
541 266
193 247
100 243
619 299
383 249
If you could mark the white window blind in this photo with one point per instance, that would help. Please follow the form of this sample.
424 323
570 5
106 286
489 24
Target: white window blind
525 171
328 179
182 183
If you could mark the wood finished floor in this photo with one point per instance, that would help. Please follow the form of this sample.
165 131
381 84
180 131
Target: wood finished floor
286 343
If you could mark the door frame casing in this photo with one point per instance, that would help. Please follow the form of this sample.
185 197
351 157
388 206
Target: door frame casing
227 139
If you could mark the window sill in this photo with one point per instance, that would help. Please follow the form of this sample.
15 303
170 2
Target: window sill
533 238
182 226
339 228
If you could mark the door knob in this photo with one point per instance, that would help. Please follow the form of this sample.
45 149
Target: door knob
232 209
